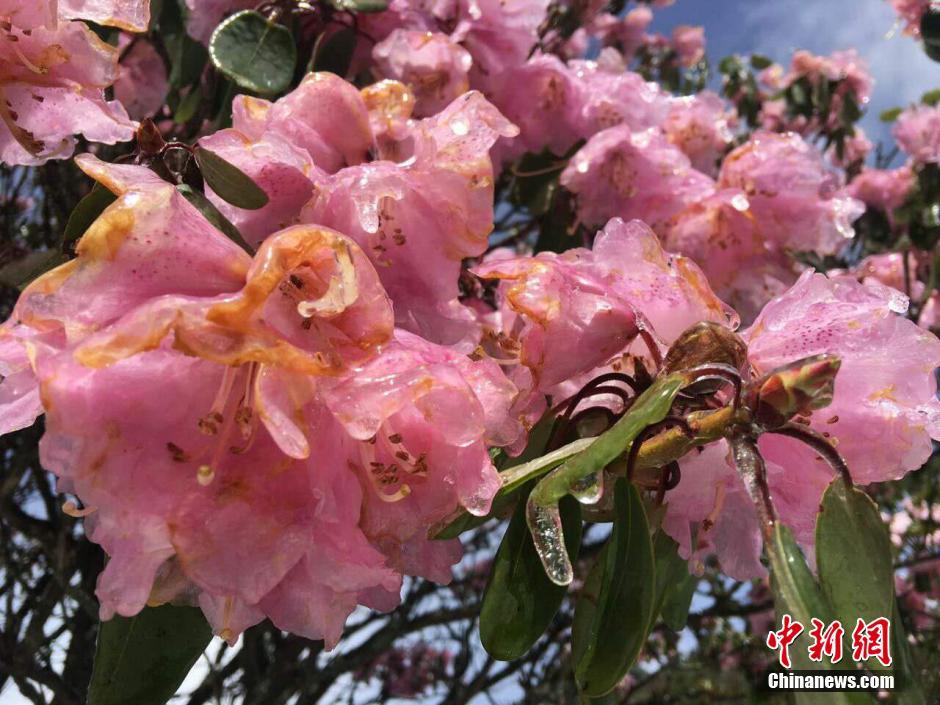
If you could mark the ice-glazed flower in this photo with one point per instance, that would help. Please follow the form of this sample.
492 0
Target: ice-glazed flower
844 66
544 99
52 83
419 218
917 131
614 96
419 418
627 174
142 84
889 269
798 203
205 15
700 125
885 189
882 417
429 63
910 12
321 126
564 315
129 15
689 44
630 31
723 236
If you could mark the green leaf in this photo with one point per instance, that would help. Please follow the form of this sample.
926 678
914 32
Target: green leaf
212 214
229 182
257 54
672 575
144 659
761 62
797 594
620 621
85 213
853 557
675 610
334 52
931 97
520 601
188 106
907 687
890 115
360 5
930 33
21 272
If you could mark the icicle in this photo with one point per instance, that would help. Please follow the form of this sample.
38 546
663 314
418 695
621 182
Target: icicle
549 538
589 489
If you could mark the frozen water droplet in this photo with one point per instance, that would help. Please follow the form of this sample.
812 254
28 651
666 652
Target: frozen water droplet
549 540
588 490
459 127
740 202
583 166
478 505
898 302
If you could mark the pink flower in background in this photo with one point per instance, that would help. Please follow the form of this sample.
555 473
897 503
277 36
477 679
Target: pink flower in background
882 418
141 86
627 174
614 96
855 149
430 64
689 44
701 126
799 204
917 131
845 66
205 15
885 189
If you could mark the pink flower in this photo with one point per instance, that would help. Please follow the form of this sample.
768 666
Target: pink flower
917 131
613 96
52 88
689 44
910 12
700 125
564 315
429 63
142 85
632 175
855 149
844 66
321 126
882 418
797 201
721 233
418 219
885 189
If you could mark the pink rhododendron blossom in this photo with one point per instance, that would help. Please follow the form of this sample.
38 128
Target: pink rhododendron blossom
721 233
855 149
917 131
844 66
888 269
430 64
630 174
882 418
700 126
53 87
418 219
885 189
797 201
689 44
613 96
141 86
129 15
565 314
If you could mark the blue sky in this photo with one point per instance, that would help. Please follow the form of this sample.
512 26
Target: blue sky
778 27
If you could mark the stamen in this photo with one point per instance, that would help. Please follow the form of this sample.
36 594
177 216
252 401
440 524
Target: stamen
205 474
72 510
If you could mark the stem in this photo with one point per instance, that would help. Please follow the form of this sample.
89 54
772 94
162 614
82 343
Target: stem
820 444
750 466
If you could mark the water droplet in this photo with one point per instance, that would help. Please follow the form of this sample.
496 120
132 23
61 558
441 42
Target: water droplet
740 202
898 302
589 489
583 166
549 540
205 474
460 127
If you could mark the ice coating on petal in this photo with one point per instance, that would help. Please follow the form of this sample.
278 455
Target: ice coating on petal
613 96
798 203
884 412
700 125
20 403
429 63
885 189
626 174
129 15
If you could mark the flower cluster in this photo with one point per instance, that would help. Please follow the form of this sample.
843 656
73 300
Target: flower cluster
269 431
